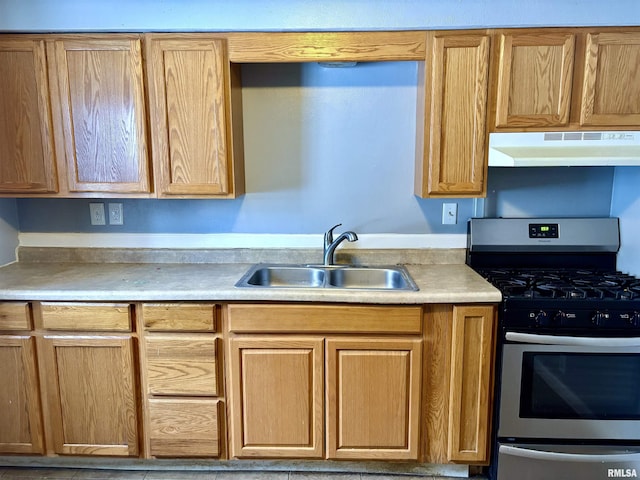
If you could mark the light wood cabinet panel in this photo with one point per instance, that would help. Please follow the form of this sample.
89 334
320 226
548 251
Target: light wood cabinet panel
14 316
611 79
78 316
20 415
458 381
255 318
373 398
27 149
179 317
181 365
471 380
452 116
535 75
90 394
184 428
102 108
191 116
277 397
291 47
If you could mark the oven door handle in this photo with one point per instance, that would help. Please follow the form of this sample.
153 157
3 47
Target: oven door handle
571 341
607 455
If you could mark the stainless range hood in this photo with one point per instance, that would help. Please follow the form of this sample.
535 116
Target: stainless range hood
564 149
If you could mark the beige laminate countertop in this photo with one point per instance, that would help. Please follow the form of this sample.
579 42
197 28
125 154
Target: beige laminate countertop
439 283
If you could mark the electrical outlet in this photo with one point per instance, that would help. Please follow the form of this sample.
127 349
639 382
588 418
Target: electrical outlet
115 214
96 210
449 213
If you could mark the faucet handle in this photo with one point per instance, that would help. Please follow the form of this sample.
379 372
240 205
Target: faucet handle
328 236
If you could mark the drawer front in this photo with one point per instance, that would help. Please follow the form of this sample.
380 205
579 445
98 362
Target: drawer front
86 316
15 316
192 317
184 365
184 428
268 318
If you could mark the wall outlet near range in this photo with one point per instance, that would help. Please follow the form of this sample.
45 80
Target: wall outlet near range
115 214
449 213
96 210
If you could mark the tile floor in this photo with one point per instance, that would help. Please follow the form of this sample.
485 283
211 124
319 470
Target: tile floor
10 473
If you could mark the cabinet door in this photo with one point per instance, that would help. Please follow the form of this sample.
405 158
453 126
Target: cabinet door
452 111
190 115
101 99
373 399
277 397
472 341
20 417
26 138
535 74
90 395
611 84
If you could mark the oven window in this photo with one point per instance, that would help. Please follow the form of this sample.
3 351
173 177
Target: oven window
580 386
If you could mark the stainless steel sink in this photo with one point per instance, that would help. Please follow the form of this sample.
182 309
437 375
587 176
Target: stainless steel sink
283 276
330 277
386 278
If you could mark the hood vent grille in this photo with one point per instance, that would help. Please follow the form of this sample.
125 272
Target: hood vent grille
550 149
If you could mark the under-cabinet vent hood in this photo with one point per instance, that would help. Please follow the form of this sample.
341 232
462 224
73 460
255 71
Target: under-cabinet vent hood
564 149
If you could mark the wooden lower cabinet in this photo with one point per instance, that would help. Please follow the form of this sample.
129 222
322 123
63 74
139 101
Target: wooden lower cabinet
182 403
320 387
20 417
277 397
373 392
90 401
458 383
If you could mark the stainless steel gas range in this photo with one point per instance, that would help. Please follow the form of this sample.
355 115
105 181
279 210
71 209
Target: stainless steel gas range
568 379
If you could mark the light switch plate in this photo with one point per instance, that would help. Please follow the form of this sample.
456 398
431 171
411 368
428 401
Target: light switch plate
449 213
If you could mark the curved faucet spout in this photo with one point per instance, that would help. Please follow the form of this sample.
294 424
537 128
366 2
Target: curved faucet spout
330 247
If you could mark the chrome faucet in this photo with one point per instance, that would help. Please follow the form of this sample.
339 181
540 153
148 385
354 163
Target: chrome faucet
330 244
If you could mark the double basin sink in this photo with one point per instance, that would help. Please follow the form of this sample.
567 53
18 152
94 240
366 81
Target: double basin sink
327 276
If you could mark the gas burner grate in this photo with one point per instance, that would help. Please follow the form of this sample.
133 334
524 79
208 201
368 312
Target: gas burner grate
566 284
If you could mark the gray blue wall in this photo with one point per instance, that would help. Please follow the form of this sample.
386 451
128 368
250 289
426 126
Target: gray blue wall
327 145
8 230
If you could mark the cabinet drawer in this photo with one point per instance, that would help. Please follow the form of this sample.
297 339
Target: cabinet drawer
269 318
86 316
14 316
184 428
192 317
182 365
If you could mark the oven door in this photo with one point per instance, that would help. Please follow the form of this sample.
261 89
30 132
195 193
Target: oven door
570 388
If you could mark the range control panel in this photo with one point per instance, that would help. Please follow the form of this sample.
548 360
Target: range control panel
543 230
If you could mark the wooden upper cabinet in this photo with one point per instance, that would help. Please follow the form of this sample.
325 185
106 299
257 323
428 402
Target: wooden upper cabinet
535 74
452 112
611 79
194 101
27 153
102 109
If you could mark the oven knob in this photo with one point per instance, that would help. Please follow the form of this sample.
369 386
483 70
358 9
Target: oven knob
599 318
541 319
559 318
